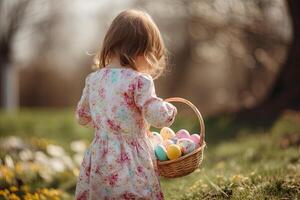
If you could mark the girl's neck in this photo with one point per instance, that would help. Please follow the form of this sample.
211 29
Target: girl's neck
115 63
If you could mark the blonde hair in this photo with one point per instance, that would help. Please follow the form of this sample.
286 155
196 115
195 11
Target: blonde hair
133 33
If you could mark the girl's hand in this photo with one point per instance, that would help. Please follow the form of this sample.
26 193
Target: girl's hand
85 120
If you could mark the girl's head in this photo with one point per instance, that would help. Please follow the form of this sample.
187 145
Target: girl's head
133 38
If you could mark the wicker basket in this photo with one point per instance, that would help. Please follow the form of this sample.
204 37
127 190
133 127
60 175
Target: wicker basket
188 163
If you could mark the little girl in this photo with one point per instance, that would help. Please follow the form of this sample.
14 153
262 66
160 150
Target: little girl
119 101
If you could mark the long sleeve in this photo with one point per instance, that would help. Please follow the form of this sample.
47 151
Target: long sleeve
83 114
157 112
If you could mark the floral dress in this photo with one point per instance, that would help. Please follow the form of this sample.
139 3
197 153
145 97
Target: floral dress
120 103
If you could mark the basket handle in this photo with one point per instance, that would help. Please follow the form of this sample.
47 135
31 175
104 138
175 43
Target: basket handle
200 118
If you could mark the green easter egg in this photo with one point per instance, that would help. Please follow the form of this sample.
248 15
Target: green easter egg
161 153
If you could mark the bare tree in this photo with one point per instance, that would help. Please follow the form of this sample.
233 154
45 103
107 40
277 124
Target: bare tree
229 52
285 93
12 16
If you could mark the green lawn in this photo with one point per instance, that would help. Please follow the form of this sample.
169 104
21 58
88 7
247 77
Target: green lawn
241 161
259 166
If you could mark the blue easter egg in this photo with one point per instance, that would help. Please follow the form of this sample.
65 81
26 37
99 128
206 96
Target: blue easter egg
186 145
161 152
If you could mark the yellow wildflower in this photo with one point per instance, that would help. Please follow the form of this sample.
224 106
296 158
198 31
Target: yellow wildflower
29 196
19 168
239 178
13 196
7 174
13 188
4 193
25 188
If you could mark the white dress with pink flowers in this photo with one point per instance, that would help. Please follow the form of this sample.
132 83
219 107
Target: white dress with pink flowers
120 103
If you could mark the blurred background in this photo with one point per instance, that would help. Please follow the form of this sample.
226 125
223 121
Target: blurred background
237 61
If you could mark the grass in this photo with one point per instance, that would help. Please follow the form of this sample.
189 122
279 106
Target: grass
242 161
263 165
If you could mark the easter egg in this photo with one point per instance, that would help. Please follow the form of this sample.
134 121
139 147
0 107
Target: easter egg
155 133
167 133
174 140
161 152
182 134
156 139
166 143
196 139
186 145
173 151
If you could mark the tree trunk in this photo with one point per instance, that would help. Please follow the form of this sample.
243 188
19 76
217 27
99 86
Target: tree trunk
285 93
9 88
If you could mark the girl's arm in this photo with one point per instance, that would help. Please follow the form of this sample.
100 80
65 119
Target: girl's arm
157 112
82 113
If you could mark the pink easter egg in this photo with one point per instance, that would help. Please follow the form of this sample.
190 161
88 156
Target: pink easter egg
182 134
196 139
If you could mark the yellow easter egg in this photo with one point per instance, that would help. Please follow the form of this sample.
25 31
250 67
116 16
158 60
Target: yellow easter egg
167 133
173 151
